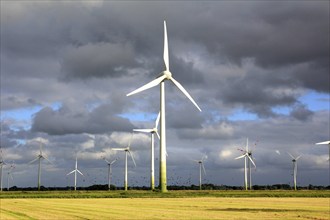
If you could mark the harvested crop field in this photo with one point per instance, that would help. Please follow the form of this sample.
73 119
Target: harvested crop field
167 208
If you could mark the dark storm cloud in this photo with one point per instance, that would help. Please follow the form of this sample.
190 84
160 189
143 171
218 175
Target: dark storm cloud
66 121
300 112
98 60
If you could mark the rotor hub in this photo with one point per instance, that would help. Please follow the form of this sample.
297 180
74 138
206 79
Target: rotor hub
168 74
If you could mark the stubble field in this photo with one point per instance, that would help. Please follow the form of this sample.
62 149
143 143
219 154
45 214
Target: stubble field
172 205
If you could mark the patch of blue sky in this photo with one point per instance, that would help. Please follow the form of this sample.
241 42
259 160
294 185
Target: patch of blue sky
56 106
316 101
20 114
139 116
93 105
241 115
282 110
23 116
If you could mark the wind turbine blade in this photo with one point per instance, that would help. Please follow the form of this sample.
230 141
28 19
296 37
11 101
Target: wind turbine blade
71 172
157 134
298 157
247 145
143 130
252 161
11 177
119 149
291 156
113 161
80 172
46 159
184 91
203 168
132 157
40 148
157 120
129 142
240 157
325 142
165 55
149 85
32 161
106 160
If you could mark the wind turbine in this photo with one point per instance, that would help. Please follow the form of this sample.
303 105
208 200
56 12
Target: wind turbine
152 131
2 163
9 175
247 155
75 174
164 75
327 143
109 170
39 158
127 151
295 169
201 166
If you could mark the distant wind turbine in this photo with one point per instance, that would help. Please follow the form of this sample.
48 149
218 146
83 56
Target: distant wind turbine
165 75
325 143
201 166
75 174
2 163
39 158
109 170
152 131
247 155
295 169
9 175
127 151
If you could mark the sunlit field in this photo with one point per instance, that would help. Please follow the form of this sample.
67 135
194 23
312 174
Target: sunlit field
172 205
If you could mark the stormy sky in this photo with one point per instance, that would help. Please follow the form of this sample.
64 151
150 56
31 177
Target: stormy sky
257 69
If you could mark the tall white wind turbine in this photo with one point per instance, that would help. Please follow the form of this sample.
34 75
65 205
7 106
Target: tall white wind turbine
40 157
109 170
165 75
247 155
127 151
295 169
325 143
201 166
75 171
2 163
152 131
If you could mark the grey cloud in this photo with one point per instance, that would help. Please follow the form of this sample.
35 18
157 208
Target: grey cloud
98 60
221 130
300 112
65 121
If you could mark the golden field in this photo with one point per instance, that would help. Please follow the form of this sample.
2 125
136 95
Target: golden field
166 208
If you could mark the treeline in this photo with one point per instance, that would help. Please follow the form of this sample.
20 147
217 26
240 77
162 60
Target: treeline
173 187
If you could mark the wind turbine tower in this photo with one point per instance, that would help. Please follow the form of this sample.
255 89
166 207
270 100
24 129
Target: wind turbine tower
109 170
201 166
247 155
295 169
2 163
127 151
9 175
75 174
165 75
39 158
152 131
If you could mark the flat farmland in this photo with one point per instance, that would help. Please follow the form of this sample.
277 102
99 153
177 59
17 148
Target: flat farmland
167 207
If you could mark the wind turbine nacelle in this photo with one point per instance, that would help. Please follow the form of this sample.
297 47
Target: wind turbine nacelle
167 73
